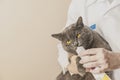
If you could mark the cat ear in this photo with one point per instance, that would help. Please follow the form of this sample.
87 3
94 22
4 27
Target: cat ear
80 21
58 36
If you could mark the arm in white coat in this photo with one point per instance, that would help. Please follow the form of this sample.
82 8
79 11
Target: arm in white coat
110 27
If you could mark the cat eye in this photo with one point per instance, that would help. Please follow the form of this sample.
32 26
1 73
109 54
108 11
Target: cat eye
78 35
69 42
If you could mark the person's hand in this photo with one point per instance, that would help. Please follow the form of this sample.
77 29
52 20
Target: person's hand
72 67
101 58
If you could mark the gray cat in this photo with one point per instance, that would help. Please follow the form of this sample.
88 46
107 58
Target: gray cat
77 35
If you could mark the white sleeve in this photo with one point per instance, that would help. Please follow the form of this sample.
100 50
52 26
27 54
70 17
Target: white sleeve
110 27
72 14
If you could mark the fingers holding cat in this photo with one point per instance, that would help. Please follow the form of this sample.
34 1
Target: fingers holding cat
97 57
72 67
92 55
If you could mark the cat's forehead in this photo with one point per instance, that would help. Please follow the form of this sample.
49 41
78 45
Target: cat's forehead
70 27
69 32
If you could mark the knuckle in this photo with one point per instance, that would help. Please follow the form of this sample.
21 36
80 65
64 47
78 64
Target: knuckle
102 53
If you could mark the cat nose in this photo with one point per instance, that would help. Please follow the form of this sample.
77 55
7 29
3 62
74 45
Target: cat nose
75 44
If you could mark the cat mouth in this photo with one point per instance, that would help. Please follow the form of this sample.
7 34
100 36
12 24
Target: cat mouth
79 45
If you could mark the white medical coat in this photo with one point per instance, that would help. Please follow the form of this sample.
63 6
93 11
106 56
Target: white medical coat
105 14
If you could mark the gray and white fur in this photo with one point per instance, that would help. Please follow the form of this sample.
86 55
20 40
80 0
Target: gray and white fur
77 35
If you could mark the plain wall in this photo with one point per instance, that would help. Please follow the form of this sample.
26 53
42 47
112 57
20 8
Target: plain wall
27 51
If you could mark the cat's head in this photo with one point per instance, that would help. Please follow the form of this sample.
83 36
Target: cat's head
74 36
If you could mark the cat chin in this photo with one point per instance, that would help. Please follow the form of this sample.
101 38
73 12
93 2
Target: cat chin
79 45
